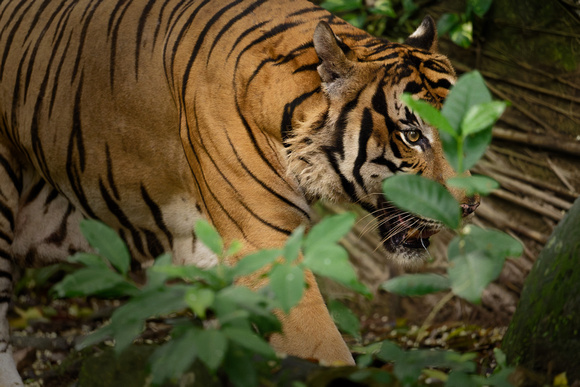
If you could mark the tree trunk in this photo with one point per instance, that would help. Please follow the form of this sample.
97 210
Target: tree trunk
544 334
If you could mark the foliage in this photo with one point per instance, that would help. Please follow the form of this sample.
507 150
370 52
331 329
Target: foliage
373 18
229 338
460 26
476 255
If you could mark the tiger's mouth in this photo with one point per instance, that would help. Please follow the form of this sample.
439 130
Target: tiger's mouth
401 230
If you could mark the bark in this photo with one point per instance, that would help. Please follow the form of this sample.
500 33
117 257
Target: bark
544 334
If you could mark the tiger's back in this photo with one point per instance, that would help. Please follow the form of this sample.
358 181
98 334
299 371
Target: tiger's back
150 115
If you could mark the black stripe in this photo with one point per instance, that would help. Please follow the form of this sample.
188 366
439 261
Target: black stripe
110 179
5 255
116 210
347 186
158 24
153 244
10 38
57 75
82 38
341 123
113 53
51 197
5 237
5 300
7 213
244 34
38 39
15 179
200 40
184 28
35 191
59 235
234 20
366 131
265 186
286 125
306 67
382 160
195 176
6 274
312 9
157 214
140 27
71 163
394 148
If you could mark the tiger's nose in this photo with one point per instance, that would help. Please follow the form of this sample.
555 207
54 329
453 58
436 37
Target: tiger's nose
469 208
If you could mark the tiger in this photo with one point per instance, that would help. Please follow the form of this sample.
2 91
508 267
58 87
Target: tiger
151 115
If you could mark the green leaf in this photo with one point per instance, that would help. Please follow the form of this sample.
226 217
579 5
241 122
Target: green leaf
101 334
344 318
247 339
471 272
254 262
416 284
240 367
213 345
383 7
497 243
173 358
189 272
447 22
332 261
482 116
199 300
128 321
234 248
90 260
341 5
479 7
287 283
95 281
329 230
474 184
429 113
469 90
209 236
422 196
462 34
449 144
107 243
474 146
293 244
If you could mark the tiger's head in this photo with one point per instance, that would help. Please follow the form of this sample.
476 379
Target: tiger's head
365 133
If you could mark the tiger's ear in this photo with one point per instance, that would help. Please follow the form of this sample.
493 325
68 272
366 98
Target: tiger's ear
334 66
425 36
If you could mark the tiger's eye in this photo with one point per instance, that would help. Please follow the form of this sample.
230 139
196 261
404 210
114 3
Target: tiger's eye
413 135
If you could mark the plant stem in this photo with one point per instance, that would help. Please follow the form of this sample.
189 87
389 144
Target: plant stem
460 154
423 330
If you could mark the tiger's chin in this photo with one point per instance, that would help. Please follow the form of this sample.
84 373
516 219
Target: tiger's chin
405 236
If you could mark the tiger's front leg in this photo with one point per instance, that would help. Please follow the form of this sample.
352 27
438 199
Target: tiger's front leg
309 332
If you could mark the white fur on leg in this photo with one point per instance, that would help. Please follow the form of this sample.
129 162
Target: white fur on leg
8 374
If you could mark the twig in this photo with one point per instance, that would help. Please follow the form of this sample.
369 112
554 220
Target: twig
509 59
535 29
559 173
519 107
520 156
524 85
517 186
485 167
500 221
549 212
547 142
423 330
